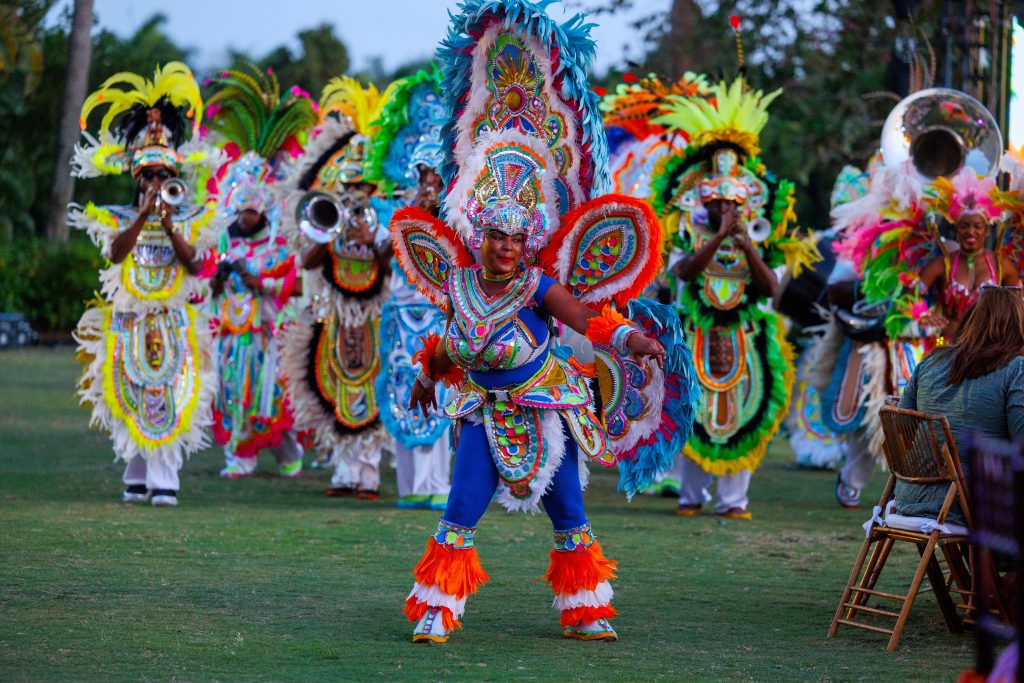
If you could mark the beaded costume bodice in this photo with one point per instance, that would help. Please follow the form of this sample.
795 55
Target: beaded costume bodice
152 269
957 297
500 332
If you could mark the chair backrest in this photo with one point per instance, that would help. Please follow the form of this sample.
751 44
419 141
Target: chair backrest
994 466
919 449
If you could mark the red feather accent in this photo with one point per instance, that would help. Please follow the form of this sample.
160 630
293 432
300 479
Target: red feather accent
452 378
734 21
633 281
455 572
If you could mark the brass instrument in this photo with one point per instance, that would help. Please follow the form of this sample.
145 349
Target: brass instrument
173 191
940 131
322 217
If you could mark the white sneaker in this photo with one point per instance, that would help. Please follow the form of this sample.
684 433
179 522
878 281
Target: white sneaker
134 497
164 499
431 628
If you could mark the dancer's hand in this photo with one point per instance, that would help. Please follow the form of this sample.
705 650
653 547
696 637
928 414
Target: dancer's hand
642 345
423 398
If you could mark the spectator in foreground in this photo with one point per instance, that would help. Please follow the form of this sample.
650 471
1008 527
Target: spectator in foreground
977 383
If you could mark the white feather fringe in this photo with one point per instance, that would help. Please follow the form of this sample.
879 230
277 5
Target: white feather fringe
435 597
599 597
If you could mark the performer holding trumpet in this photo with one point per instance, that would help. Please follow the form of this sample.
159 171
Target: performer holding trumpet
145 349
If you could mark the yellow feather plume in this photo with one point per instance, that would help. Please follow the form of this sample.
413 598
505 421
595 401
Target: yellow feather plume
124 90
731 112
363 106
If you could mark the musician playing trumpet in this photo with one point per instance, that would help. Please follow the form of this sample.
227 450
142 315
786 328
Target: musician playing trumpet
730 270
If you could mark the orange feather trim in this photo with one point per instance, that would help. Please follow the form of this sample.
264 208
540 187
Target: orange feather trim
452 378
414 611
585 615
601 327
570 572
455 572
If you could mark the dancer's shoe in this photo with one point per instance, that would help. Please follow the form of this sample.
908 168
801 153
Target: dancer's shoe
594 630
431 628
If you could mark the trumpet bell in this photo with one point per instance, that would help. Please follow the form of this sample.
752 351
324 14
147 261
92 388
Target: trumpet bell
173 191
940 131
319 216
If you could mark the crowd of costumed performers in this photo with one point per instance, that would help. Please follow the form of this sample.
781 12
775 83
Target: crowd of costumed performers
332 352
911 257
145 346
256 274
404 161
527 237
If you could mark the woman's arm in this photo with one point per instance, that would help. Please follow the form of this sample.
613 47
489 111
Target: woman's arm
761 275
185 252
1010 276
423 394
561 304
123 244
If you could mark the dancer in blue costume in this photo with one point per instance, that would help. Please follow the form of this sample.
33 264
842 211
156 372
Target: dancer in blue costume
530 240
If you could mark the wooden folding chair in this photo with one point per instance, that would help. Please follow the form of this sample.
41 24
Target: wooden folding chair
997 478
919 449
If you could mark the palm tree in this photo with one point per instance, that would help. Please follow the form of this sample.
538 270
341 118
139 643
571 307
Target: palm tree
76 85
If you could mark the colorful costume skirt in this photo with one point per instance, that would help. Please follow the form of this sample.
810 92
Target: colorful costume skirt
148 378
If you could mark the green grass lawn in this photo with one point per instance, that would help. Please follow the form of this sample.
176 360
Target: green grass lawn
266 579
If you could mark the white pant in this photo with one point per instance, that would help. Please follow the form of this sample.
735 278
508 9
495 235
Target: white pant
859 464
286 452
356 467
731 490
425 470
153 474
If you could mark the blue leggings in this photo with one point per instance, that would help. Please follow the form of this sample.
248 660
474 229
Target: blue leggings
475 479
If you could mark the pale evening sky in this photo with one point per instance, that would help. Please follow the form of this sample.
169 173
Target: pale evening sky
399 31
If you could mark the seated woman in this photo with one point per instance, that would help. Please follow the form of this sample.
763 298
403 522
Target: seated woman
977 383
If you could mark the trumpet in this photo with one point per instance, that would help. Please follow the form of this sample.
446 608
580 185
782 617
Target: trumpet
173 191
322 218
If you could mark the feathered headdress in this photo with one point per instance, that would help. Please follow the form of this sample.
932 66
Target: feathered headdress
634 105
408 131
968 193
731 114
344 97
249 110
145 122
511 72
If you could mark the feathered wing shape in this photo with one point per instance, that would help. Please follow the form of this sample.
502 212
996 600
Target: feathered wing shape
608 249
250 110
663 434
731 113
124 90
363 106
506 66
427 249
412 109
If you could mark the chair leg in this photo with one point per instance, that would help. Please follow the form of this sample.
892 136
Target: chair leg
927 555
854 575
938 582
875 568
